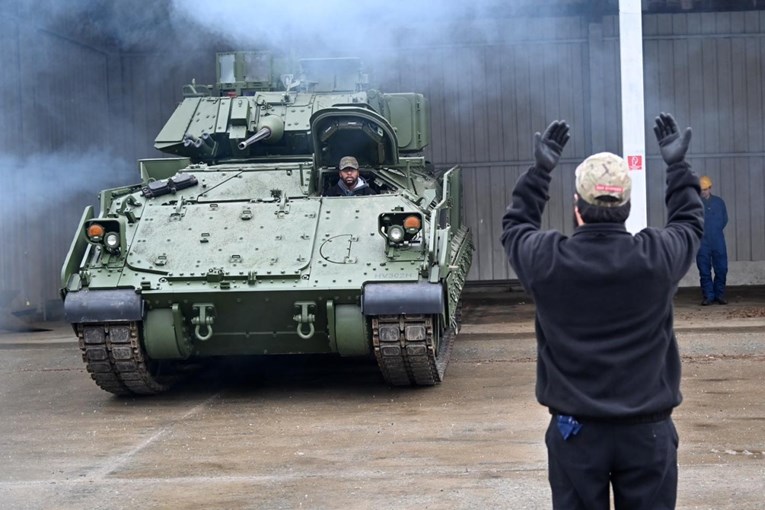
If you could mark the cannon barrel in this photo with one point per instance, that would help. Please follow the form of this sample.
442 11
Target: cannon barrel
263 133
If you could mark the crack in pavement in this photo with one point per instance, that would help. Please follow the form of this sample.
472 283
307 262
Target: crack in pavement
116 462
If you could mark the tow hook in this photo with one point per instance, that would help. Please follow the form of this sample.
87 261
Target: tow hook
205 316
305 317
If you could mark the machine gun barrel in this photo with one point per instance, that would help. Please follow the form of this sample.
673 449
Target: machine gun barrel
263 133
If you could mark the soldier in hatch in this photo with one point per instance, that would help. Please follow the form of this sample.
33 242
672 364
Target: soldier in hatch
350 183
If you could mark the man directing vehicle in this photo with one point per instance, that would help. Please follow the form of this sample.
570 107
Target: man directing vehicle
608 366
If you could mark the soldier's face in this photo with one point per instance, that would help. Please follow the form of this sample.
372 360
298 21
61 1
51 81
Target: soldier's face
350 176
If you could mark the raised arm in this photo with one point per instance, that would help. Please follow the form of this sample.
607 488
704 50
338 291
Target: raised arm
685 211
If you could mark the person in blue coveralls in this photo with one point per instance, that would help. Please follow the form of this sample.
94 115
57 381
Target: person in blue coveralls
712 253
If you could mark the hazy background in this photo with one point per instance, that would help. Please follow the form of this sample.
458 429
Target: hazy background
85 86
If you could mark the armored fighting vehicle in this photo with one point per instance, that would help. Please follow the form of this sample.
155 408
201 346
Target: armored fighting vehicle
230 248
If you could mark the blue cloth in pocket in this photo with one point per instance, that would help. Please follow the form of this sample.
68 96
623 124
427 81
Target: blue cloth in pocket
568 426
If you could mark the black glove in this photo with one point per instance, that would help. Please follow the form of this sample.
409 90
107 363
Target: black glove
673 146
549 146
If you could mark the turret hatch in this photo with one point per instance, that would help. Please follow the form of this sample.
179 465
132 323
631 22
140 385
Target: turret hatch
353 131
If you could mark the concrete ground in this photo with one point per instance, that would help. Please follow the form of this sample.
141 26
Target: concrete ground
316 433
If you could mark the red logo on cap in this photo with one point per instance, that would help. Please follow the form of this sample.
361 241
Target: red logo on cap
609 189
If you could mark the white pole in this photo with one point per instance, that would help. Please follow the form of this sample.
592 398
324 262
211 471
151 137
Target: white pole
633 116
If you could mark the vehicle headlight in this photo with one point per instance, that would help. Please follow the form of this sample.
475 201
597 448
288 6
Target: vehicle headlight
399 227
106 232
112 241
396 234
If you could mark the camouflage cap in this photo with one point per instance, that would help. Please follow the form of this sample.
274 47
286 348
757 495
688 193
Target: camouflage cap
348 162
604 175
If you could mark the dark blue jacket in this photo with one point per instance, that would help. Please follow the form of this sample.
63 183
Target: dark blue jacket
341 190
606 347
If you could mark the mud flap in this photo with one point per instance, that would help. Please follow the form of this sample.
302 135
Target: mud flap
403 298
89 306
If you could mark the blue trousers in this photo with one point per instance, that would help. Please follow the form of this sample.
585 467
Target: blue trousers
639 461
712 255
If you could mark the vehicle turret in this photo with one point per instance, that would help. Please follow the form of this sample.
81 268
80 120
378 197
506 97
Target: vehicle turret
255 110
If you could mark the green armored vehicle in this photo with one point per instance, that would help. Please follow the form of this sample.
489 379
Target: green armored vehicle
231 248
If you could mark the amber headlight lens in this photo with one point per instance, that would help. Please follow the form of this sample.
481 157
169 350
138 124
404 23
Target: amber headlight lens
412 224
96 232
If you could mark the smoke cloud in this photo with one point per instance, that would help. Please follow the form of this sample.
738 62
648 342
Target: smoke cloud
90 82
40 216
332 26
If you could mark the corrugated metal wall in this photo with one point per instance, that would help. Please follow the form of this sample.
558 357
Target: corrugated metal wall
709 70
489 90
75 119
53 107
488 97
